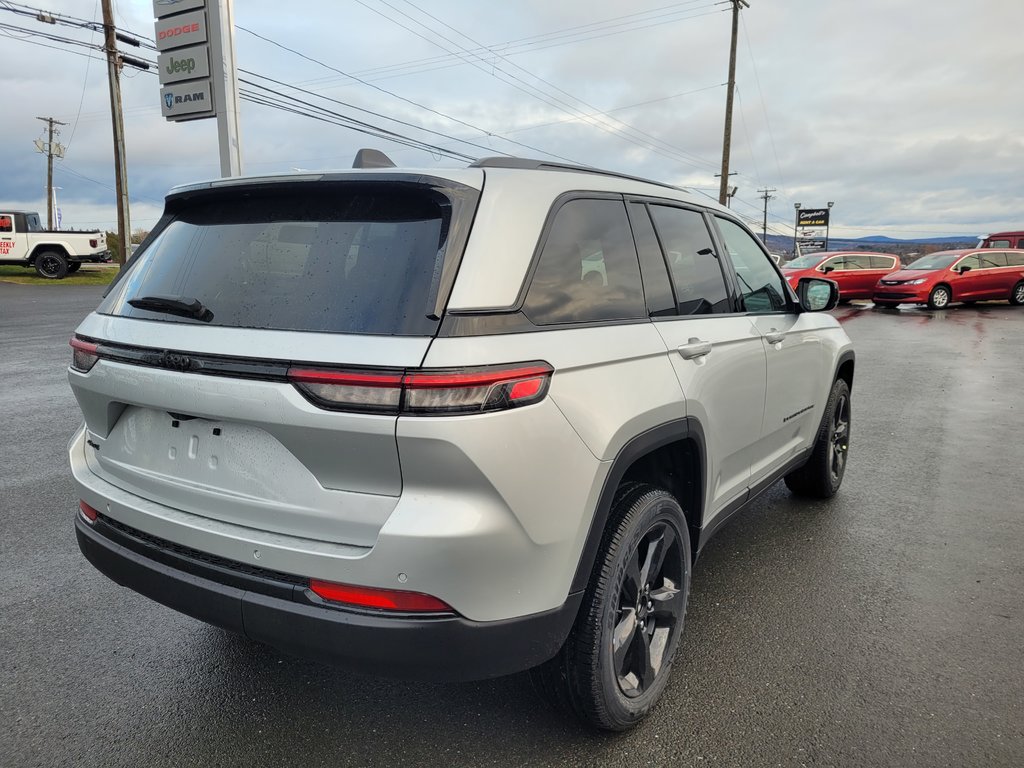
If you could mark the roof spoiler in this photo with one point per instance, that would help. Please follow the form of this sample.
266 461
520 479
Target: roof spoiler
372 158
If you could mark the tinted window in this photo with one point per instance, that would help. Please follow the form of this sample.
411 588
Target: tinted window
1015 259
998 244
882 262
762 288
343 258
991 260
970 261
588 269
690 253
858 261
657 290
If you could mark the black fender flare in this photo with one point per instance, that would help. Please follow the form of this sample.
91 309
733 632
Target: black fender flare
687 428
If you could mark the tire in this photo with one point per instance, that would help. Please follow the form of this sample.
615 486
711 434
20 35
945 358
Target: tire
1017 294
822 475
940 297
618 657
74 266
51 265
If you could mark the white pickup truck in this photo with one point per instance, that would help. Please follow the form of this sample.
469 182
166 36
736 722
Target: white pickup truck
55 255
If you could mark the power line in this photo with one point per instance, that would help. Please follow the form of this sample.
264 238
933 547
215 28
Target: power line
401 98
533 43
673 153
611 123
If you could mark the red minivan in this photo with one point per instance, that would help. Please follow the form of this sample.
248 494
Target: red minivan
969 276
1003 240
856 272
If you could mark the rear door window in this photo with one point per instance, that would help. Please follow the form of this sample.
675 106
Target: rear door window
696 270
882 262
588 268
349 258
1015 259
992 260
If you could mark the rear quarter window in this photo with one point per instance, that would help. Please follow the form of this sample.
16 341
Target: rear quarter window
588 268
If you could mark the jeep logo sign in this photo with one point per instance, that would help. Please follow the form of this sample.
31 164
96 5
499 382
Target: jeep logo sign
184 64
187 100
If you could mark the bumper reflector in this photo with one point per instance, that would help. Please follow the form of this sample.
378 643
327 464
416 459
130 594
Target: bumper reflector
382 599
88 512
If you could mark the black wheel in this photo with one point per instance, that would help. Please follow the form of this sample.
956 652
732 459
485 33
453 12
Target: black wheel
618 656
74 266
1017 294
823 473
52 265
939 297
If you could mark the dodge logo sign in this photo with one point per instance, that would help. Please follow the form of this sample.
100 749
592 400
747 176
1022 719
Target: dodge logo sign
169 99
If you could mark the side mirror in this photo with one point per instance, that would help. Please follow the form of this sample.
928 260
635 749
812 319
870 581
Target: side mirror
963 269
817 294
827 269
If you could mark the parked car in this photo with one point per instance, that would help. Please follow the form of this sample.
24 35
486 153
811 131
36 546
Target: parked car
1002 240
327 413
855 272
947 276
53 254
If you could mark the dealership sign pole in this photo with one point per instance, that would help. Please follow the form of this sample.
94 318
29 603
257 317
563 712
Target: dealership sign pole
198 74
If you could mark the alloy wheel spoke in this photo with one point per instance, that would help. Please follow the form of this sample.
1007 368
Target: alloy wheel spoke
645 669
632 584
622 639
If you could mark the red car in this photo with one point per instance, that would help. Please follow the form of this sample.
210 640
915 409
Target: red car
968 276
856 272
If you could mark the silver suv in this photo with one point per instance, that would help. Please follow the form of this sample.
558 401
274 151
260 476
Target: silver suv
449 424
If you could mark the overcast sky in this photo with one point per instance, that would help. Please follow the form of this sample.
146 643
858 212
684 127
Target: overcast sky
907 114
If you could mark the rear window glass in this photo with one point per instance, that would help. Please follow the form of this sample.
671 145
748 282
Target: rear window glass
355 258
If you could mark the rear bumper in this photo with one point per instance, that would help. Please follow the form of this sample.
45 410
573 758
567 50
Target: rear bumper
279 610
94 258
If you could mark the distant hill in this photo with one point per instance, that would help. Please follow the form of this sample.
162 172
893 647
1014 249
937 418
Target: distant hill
784 245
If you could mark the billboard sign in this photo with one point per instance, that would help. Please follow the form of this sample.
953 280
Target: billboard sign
178 31
163 8
187 101
812 217
184 64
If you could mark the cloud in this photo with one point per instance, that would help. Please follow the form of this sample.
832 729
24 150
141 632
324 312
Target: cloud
906 116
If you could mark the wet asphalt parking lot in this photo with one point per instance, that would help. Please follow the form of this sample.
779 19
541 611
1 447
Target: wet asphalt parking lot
882 628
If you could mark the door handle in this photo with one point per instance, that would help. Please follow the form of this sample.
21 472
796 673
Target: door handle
694 348
775 336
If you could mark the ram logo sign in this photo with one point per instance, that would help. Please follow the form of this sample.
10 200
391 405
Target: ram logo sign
187 101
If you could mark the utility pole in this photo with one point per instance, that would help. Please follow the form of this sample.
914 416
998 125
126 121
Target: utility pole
766 197
117 118
723 190
51 150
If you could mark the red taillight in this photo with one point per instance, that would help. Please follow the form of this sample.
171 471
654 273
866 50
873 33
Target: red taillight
84 354
93 242
382 599
88 512
425 392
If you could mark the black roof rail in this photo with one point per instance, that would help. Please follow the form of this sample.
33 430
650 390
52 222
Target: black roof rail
525 163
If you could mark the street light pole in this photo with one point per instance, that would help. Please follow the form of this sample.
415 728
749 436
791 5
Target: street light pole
796 228
828 222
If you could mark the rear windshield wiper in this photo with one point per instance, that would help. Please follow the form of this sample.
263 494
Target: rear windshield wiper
183 306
